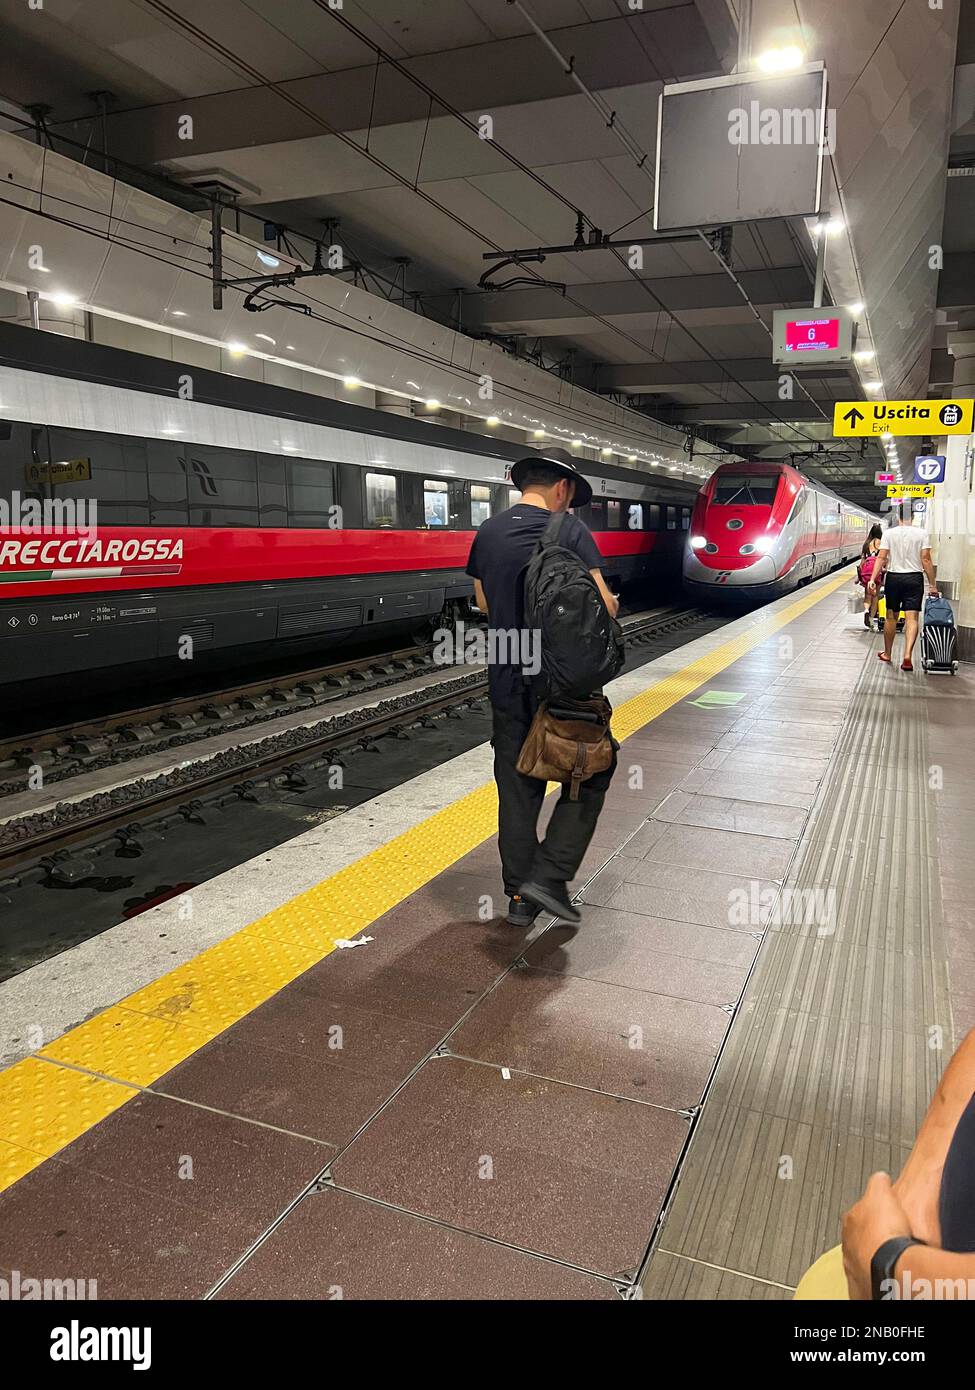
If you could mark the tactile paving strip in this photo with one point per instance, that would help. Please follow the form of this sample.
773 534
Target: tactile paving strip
145 1035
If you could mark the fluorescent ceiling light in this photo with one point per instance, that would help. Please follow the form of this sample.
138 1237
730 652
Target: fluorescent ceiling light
266 259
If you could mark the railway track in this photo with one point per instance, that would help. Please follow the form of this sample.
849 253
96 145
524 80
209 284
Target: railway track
133 731
121 808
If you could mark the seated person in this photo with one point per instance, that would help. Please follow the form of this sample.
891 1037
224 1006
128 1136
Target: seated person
917 1232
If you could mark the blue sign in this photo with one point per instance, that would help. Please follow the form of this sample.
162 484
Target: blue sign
929 468
920 508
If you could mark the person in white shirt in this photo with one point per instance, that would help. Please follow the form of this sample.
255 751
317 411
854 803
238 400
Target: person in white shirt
902 564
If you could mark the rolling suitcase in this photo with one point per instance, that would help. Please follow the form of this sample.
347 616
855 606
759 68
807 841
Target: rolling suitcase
938 638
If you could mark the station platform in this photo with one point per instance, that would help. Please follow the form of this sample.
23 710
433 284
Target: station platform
335 1072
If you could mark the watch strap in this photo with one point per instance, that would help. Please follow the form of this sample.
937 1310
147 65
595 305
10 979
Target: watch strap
884 1260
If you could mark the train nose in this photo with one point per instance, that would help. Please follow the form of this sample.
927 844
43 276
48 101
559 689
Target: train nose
701 568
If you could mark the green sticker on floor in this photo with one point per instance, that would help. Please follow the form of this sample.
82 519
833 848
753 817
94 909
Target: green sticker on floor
715 699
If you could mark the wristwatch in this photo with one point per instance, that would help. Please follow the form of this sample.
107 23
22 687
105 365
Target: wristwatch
884 1260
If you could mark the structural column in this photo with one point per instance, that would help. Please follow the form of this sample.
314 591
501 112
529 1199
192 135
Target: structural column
953 531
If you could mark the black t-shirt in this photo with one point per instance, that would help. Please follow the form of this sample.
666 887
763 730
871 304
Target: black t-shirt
502 549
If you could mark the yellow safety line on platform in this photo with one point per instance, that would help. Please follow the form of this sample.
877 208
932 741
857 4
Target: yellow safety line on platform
51 1098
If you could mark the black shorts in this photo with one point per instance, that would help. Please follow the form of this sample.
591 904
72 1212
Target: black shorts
904 592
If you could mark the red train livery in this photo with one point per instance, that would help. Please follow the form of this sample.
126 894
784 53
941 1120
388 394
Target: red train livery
759 530
291 522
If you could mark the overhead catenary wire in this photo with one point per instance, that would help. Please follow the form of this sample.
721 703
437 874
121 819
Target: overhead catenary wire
461 374
258 78
632 147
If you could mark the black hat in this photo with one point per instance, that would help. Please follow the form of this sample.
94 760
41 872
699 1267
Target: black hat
561 461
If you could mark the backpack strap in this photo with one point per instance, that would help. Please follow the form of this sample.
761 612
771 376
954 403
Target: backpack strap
553 529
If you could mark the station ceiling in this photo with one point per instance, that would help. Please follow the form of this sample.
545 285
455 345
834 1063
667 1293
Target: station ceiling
357 114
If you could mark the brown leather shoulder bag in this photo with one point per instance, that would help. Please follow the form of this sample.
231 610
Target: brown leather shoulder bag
568 742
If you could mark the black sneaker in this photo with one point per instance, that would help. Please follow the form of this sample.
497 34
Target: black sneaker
520 912
553 901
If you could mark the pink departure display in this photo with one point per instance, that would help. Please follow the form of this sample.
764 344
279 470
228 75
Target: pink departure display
812 335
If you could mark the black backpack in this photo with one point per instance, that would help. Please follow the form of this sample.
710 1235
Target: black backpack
582 645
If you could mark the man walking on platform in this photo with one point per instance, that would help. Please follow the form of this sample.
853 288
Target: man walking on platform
535 875
903 560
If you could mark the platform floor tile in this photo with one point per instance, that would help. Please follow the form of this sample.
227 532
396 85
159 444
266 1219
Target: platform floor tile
546 1167
336 1245
729 813
155 1202
621 1040
305 1095
61 1222
620 947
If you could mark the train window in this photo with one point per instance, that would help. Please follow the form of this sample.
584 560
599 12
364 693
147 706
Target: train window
109 471
15 461
613 515
597 511
221 485
672 513
272 490
653 516
167 485
311 493
745 490
499 498
514 496
381 508
436 503
443 502
634 516
480 503
797 505
685 518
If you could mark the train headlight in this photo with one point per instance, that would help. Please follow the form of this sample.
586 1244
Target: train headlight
698 542
764 544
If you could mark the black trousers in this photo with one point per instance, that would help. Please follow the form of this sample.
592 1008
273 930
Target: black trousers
554 861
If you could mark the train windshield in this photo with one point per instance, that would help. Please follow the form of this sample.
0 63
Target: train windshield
745 490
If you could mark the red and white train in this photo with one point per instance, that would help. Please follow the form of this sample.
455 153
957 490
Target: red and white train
759 530
246 517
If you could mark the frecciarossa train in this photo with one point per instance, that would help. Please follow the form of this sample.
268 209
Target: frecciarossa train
249 518
759 530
